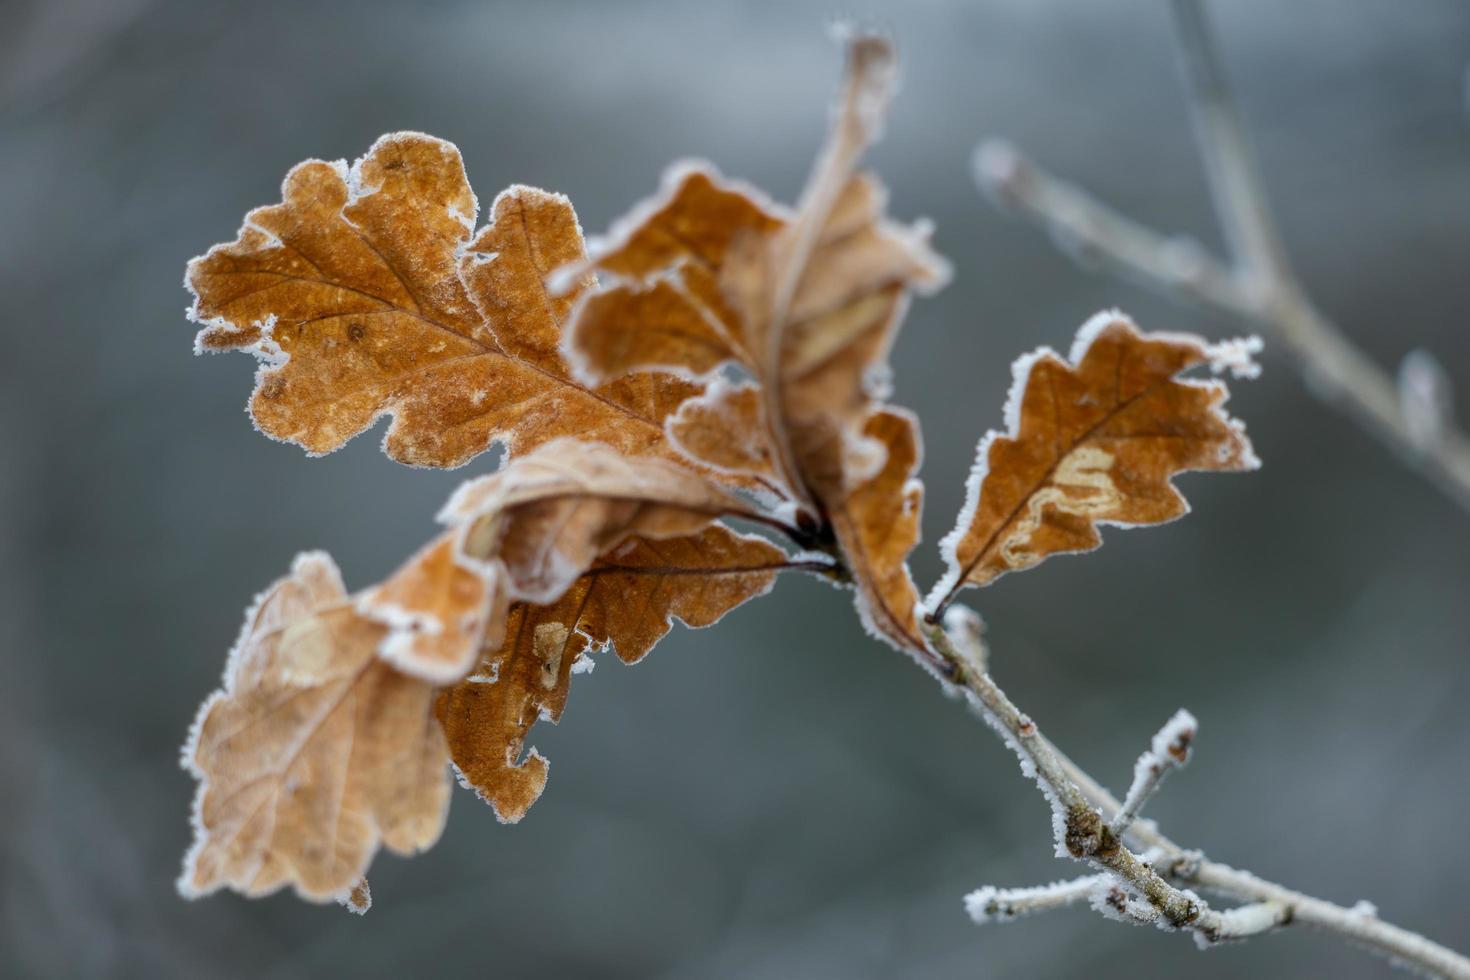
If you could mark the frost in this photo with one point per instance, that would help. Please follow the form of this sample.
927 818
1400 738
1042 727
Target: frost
1110 898
965 623
1236 356
1238 923
1426 398
989 904
484 797
1169 750
1029 771
358 899
862 458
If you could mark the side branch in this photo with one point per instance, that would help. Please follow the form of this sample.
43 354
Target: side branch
1143 888
1003 904
1169 751
1257 284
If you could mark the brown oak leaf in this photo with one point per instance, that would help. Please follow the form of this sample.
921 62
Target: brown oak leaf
806 302
313 753
437 609
366 292
324 743
526 533
628 600
1093 440
541 521
878 523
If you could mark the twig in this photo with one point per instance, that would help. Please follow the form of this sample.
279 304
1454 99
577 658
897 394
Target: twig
991 904
1168 751
1235 182
1147 892
965 624
1257 285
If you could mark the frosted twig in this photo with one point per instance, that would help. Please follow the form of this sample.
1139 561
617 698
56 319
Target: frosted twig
1147 882
1078 826
1168 751
1257 285
1426 397
989 904
963 622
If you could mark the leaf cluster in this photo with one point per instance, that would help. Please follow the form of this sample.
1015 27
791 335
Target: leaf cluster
716 358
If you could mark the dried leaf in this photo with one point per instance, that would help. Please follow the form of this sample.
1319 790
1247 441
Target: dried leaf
540 522
313 753
364 293
1097 440
667 256
324 740
724 429
437 608
486 716
807 304
878 523
359 900
628 600
527 533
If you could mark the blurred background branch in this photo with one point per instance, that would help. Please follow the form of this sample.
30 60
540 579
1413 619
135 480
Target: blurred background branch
1257 285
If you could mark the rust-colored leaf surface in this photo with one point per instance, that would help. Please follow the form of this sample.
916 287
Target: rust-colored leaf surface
528 532
366 292
314 753
1097 440
628 600
878 523
725 430
806 302
324 742
437 608
540 522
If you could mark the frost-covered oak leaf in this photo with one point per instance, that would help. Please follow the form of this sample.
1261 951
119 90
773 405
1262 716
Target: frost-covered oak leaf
526 533
324 743
313 753
627 600
367 292
438 608
1093 440
806 302
541 521
878 523
666 307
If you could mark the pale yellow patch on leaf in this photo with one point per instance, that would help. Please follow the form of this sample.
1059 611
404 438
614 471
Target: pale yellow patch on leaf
1096 440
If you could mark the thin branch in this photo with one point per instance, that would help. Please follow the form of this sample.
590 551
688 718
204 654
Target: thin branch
1257 285
990 904
1079 828
1081 833
965 624
1235 181
1168 751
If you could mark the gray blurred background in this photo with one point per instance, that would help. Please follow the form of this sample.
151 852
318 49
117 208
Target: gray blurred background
778 796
